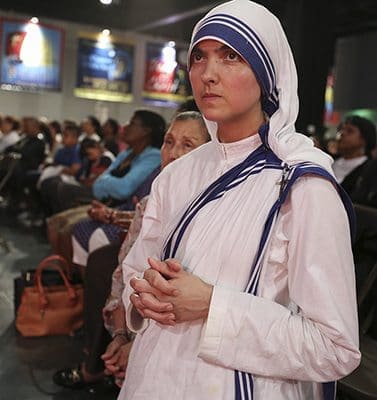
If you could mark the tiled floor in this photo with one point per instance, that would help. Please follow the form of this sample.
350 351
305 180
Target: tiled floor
26 365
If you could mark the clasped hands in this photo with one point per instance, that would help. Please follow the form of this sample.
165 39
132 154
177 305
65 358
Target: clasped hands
102 213
168 294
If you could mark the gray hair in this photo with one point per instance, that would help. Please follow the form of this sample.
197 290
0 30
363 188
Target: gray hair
193 115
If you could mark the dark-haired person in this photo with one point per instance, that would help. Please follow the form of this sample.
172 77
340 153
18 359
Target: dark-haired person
144 135
73 187
56 137
356 139
90 129
65 165
69 155
67 159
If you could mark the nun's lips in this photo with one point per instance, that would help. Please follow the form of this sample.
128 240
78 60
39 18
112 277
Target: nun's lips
210 96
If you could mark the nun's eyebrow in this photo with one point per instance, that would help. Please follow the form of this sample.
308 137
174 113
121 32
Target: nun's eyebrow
222 47
197 51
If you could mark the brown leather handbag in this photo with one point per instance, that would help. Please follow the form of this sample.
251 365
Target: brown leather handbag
50 310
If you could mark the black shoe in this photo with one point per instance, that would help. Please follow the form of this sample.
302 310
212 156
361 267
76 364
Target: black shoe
69 378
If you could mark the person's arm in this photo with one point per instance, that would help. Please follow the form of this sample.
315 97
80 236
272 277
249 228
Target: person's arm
320 343
122 188
120 334
116 355
99 186
71 170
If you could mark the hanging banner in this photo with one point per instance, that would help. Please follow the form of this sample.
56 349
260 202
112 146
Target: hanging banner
31 55
166 79
104 69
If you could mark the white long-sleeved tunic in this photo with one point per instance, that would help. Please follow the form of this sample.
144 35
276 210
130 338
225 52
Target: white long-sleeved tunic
302 326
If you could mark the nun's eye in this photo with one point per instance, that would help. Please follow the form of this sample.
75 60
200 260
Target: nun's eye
232 56
196 57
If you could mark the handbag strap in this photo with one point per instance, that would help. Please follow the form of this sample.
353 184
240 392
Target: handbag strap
48 263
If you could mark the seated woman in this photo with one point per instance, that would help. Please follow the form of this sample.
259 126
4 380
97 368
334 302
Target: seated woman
130 176
186 132
128 171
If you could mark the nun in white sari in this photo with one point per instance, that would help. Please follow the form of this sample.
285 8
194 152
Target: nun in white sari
260 300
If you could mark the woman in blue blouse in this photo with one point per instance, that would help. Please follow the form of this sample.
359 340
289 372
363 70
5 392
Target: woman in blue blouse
122 179
144 135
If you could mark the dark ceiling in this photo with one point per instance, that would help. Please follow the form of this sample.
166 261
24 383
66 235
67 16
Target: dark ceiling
174 19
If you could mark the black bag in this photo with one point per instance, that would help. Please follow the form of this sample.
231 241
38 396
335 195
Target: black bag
49 278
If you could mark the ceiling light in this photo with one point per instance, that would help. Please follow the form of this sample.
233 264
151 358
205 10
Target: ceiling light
106 32
34 20
106 2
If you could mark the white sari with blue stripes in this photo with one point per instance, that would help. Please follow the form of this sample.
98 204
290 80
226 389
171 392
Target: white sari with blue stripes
283 306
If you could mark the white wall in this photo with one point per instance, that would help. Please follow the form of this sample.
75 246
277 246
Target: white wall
64 105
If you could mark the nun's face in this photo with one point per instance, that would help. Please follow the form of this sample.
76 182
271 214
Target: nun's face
224 86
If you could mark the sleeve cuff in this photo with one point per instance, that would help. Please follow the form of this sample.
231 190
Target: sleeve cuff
212 331
135 322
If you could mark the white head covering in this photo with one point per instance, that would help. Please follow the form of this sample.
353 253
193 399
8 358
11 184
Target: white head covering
257 35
